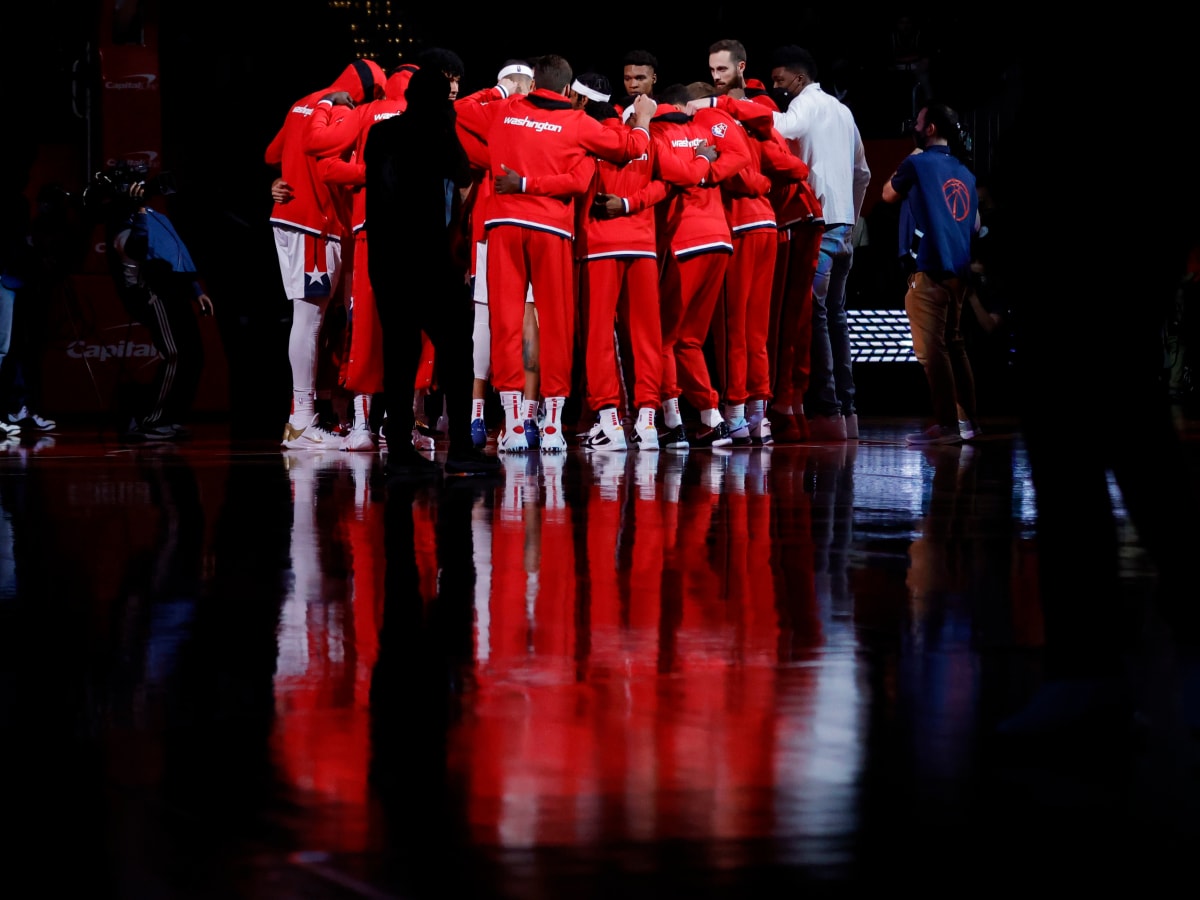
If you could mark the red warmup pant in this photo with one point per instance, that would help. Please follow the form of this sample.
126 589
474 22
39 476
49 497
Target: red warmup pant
517 258
362 371
748 284
627 288
689 290
791 313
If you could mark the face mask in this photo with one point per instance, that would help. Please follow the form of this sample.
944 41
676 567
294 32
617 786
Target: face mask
781 96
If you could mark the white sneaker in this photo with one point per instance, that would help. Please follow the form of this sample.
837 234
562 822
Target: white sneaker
605 437
512 441
934 434
552 440
760 432
739 430
645 437
359 440
8 430
24 417
311 437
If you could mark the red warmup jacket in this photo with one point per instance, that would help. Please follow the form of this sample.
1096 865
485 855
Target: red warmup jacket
313 208
746 195
482 186
692 219
794 203
632 234
476 147
336 135
542 139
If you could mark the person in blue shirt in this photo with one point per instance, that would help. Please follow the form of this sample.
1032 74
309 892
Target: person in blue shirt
944 209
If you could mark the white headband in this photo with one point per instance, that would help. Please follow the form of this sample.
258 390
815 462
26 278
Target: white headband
516 69
592 94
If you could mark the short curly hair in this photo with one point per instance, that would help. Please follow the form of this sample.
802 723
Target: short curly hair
640 58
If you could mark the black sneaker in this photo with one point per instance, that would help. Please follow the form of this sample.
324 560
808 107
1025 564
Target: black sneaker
717 436
139 432
674 438
471 462
405 463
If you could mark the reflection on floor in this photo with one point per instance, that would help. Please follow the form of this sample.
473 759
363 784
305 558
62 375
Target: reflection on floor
231 671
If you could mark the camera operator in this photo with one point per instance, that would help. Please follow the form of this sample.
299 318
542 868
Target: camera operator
944 207
157 283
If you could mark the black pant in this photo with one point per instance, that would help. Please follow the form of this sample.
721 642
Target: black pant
168 315
439 305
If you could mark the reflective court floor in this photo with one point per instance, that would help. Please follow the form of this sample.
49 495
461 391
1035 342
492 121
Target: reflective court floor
232 671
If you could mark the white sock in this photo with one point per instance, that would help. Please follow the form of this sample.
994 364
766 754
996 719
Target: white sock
608 416
671 415
514 415
531 409
755 409
554 406
482 342
711 417
645 417
735 411
362 412
303 408
303 340
477 408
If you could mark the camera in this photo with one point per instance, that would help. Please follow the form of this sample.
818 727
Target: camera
115 182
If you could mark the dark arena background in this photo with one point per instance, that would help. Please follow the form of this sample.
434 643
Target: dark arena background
817 667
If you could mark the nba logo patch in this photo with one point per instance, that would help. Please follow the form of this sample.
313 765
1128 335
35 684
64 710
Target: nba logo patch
316 272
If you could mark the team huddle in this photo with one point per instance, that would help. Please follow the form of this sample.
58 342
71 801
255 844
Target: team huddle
675 259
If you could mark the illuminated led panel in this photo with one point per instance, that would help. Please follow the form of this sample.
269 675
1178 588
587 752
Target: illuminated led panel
880 335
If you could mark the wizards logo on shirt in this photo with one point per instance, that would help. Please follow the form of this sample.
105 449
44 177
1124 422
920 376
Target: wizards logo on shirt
316 268
958 198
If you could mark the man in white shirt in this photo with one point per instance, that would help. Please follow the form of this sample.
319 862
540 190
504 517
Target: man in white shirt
822 131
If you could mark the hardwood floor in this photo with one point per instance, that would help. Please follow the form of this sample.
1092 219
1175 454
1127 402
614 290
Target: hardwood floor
234 671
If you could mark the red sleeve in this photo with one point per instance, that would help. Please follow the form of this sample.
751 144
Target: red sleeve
730 141
807 196
654 192
779 162
564 185
335 170
747 183
614 144
669 167
332 129
750 181
758 118
473 117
